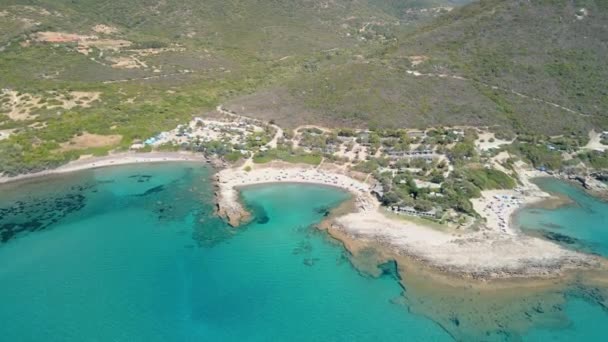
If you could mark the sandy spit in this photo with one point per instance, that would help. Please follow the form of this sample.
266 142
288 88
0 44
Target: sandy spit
491 253
111 160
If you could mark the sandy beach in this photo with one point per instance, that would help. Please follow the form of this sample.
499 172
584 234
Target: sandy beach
111 160
496 251
229 181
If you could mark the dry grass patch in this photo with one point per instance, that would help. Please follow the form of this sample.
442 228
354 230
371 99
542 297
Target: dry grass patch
88 140
130 62
85 42
61 37
415 60
19 106
105 29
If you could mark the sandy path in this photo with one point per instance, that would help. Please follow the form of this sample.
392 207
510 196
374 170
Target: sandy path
536 99
595 142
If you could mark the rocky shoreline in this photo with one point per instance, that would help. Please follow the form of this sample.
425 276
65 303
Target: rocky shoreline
485 255
228 181
230 210
592 184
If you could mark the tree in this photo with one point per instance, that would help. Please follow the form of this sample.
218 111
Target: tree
390 198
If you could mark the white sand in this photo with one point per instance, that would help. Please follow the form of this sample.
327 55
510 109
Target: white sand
491 253
483 255
230 179
498 206
111 160
595 142
483 142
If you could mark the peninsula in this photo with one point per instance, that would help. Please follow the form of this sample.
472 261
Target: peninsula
442 196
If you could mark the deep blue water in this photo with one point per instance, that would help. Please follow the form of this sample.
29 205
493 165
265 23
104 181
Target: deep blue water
135 253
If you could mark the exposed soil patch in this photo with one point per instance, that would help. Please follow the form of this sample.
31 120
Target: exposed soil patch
105 29
127 62
88 140
19 106
60 37
6 133
488 141
415 60
595 142
85 42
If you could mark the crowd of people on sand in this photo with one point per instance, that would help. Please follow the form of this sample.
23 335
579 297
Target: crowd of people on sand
296 175
502 206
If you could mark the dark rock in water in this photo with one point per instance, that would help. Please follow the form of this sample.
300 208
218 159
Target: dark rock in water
261 217
322 210
141 178
152 191
557 237
390 268
310 261
551 225
303 247
455 320
538 309
39 214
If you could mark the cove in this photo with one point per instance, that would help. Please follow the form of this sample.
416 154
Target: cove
134 253
581 224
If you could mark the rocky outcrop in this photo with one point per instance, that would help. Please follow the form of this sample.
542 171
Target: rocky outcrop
228 206
232 212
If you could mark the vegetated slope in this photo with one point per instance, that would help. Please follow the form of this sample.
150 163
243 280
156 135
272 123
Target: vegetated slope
416 9
553 50
260 26
151 64
535 66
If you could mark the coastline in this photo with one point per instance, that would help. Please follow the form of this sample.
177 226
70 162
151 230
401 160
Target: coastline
490 253
444 296
110 160
496 251
229 180
503 273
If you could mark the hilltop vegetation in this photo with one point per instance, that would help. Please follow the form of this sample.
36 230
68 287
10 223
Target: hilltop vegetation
527 66
355 63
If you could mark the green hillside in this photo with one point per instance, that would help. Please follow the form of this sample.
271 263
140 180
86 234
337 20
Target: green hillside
134 68
534 66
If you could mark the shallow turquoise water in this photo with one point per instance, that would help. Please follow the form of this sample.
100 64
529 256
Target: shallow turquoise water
581 225
134 254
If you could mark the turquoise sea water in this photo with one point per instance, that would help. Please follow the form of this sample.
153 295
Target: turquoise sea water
582 224
135 253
